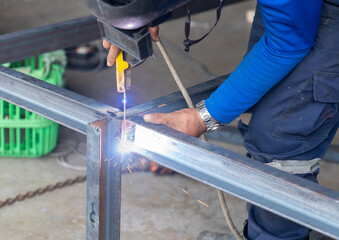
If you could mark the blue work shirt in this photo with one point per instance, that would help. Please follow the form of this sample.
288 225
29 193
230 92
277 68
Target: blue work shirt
290 30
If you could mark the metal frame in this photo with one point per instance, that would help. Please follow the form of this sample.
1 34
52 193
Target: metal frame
292 197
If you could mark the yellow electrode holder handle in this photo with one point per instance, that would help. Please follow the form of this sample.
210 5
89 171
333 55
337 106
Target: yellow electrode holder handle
121 67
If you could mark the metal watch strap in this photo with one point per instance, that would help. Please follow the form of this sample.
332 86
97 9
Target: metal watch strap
210 123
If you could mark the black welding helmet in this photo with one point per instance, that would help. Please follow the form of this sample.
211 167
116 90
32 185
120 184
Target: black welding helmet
132 14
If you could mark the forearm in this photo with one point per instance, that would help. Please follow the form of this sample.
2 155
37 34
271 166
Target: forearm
260 70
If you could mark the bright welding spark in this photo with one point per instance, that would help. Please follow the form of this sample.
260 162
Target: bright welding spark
186 192
203 203
123 143
124 101
129 168
122 148
109 159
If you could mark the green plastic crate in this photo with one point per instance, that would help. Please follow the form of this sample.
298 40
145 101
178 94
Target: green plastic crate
23 133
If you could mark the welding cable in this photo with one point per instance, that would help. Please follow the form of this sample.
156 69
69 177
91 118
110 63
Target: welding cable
175 75
189 102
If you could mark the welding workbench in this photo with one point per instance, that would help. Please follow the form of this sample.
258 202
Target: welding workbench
292 197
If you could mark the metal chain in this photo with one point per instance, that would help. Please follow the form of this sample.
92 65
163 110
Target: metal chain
41 191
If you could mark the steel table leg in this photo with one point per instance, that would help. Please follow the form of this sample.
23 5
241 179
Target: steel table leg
104 180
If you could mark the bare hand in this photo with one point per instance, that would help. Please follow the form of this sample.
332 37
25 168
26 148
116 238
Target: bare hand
186 120
114 50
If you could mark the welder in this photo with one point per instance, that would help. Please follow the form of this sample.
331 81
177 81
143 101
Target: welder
289 81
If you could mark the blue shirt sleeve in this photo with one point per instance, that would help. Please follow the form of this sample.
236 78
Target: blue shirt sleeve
290 30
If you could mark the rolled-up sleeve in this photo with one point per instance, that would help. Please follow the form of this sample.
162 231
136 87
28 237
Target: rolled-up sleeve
290 30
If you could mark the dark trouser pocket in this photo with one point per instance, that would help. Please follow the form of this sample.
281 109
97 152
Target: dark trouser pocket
313 113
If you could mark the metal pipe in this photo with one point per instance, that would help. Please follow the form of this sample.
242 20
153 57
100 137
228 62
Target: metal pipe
58 104
197 92
27 43
103 180
294 198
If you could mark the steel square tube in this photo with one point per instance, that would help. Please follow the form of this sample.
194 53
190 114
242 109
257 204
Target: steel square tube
58 104
202 88
103 180
31 42
292 197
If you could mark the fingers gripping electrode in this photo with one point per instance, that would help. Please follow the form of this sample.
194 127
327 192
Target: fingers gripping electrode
121 71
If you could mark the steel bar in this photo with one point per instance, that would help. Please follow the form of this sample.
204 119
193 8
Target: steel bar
103 180
94 171
204 88
60 105
295 198
27 43
112 163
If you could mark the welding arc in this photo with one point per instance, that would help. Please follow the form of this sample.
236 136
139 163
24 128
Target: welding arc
189 102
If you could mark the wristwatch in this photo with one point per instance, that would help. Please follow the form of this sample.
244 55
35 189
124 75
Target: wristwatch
209 121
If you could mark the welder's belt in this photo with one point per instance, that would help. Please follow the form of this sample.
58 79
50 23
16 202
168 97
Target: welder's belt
296 166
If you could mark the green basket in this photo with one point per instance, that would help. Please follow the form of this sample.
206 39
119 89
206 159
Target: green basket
23 133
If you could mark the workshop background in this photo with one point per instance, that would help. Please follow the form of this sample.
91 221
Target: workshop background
153 207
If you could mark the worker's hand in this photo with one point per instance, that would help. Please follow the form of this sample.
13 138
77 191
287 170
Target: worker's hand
186 120
114 50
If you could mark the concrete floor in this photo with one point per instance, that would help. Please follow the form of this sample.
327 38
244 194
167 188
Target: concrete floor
153 207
